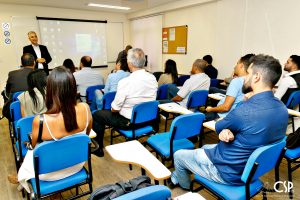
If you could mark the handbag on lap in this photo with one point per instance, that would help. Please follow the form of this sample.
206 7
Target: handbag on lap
293 140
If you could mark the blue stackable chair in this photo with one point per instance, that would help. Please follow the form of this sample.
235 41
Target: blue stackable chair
90 92
261 161
107 99
141 113
196 99
15 114
51 156
292 102
214 82
15 95
182 79
157 192
23 127
183 127
292 156
162 92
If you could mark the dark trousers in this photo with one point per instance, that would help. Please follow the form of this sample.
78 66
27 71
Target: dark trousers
106 117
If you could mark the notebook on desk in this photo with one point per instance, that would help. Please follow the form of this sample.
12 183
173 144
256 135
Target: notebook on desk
174 108
217 96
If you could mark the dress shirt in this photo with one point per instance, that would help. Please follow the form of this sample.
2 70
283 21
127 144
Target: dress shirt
198 81
259 121
234 90
87 77
140 86
38 53
285 83
113 80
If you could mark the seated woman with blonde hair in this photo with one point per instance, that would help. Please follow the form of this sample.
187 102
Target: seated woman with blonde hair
64 117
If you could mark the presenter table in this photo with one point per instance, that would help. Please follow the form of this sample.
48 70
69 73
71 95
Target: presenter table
133 152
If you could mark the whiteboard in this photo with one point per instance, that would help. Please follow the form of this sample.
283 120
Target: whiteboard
21 25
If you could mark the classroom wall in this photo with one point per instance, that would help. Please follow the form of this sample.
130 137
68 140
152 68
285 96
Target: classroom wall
228 29
8 60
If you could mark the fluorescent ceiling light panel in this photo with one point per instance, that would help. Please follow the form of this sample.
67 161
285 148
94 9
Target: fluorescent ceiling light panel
108 6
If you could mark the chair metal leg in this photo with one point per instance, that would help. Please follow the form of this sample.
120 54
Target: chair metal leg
290 177
293 124
77 190
130 167
156 182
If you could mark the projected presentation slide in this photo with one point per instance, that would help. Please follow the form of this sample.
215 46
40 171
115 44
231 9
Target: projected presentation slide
69 39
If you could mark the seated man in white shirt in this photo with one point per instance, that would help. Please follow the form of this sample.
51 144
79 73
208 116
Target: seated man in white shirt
198 81
140 86
291 81
87 76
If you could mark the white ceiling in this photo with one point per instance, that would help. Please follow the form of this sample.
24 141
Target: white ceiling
135 5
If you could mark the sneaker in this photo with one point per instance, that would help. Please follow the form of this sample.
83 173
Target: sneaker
99 152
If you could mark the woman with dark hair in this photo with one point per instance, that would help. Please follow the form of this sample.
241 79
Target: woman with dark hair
33 100
121 71
68 63
64 118
170 75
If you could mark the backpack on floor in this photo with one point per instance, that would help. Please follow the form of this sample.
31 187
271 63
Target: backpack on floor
293 140
112 191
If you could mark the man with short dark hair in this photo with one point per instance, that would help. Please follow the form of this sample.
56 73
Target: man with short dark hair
87 76
17 81
140 86
198 81
210 70
259 121
291 81
234 94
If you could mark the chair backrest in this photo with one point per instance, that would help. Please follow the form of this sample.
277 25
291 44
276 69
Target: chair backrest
61 154
182 79
214 82
107 99
157 192
185 126
15 95
162 92
90 92
15 111
144 112
293 100
197 98
24 127
265 158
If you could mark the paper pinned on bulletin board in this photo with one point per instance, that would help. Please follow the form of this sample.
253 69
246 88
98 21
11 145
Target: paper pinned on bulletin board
165 46
172 33
180 50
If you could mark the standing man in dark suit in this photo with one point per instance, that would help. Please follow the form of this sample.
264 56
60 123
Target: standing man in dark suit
40 52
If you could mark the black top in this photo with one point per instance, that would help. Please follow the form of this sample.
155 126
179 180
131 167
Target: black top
211 71
289 91
44 54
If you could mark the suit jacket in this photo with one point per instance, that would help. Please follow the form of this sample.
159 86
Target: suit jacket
44 53
17 81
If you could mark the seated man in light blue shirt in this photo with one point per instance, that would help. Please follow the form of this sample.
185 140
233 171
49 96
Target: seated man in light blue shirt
112 81
234 94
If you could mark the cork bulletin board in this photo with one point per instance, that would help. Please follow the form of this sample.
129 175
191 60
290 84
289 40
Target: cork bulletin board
174 40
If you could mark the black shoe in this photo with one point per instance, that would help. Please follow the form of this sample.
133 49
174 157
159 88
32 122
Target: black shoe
99 152
171 185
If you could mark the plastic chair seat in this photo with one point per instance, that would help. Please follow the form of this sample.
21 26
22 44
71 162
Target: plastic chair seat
47 187
161 143
229 191
138 132
292 153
